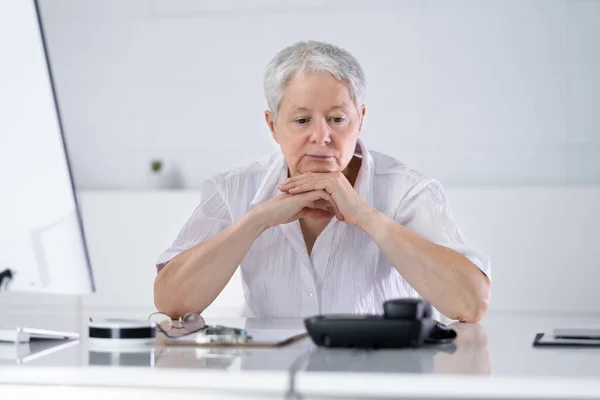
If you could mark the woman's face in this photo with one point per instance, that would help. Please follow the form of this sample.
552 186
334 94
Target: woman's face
317 124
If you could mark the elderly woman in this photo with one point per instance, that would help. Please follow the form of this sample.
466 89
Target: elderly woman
325 225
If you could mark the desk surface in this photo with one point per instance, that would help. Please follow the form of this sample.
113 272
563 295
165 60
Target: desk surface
492 358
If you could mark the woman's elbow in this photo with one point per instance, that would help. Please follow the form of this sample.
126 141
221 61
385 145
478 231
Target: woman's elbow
477 311
477 305
172 298
161 299
164 299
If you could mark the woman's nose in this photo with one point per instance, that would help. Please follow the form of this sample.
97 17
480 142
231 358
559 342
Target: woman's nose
321 134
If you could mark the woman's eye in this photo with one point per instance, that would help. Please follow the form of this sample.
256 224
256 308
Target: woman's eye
338 120
302 121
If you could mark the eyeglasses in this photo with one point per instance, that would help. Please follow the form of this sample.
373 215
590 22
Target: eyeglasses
189 323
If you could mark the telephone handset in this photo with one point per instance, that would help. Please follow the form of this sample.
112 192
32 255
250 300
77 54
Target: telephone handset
404 323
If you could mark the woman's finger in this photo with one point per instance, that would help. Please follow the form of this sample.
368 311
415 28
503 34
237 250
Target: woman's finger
310 197
296 178
307 187
324 205
301 179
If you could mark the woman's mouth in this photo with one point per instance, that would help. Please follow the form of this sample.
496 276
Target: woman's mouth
319 157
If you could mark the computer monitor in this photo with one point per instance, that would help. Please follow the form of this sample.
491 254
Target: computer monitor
41 236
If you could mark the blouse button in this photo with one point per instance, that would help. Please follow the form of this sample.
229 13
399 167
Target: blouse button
310 292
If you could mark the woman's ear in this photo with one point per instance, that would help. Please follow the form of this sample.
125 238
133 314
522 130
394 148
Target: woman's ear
270 119
361 113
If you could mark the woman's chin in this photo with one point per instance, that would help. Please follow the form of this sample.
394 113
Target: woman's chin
311 165
321 167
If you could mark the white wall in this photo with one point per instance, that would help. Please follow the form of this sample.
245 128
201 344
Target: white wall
470 92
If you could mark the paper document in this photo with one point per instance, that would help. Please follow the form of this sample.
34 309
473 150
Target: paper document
259 337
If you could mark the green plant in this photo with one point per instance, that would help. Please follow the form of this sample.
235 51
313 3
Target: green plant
156 166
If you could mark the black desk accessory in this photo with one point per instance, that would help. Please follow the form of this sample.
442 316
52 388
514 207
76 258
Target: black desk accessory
568 337
404 323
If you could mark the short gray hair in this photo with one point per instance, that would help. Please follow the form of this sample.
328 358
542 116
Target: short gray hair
312 56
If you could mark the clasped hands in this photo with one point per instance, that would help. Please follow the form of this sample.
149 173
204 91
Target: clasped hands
328 194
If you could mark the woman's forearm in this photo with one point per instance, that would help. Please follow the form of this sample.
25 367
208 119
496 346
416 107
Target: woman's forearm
445 278
192 280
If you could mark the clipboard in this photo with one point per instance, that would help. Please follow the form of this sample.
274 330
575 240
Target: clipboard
267 338
549 340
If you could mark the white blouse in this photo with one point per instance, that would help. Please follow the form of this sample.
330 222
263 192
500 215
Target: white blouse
346 271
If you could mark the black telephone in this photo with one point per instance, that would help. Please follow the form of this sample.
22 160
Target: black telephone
404 323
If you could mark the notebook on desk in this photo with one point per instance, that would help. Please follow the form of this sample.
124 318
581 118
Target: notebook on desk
568 338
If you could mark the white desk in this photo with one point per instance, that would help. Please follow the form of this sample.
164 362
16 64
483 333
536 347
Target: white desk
492 359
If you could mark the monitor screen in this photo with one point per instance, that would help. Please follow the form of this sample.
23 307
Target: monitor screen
41 235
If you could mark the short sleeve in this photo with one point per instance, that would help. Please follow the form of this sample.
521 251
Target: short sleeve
425 211
210 218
